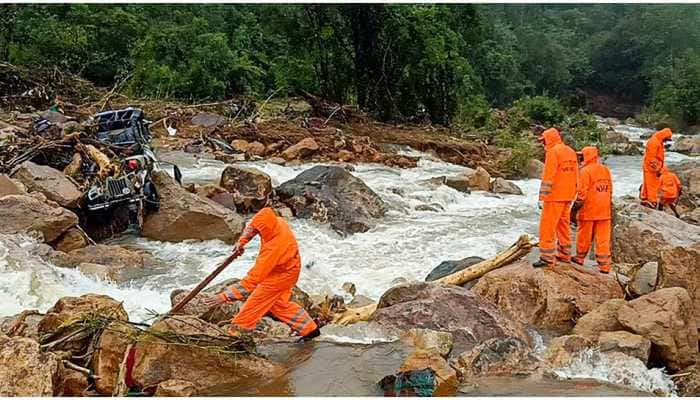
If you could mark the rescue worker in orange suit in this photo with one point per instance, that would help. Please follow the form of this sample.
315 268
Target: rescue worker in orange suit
592 210
669 190
557 191
652 165
268 285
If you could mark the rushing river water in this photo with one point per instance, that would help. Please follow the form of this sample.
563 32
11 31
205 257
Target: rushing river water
406 244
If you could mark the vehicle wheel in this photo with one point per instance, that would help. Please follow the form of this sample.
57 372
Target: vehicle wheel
152 198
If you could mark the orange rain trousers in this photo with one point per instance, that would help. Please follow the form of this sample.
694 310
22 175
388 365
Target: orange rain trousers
555 232
585 233
264 298
268 285
650 187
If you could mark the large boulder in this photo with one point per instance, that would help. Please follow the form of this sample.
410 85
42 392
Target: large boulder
333 195
432 306
109 262
184 215
502 186
665 317
446 268
644 279
619 143
113 255
549 298
73 308
689 173
625 342
27 371
251 187
429 340
470 179
689 145
71 239
302 149
51 182
680 267
209 369
73 383
109 354
499 356
26 214
602 319
561 350
640 233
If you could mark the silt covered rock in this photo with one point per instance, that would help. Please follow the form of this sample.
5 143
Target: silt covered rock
184 215
333 195
549 298
433 306
25 370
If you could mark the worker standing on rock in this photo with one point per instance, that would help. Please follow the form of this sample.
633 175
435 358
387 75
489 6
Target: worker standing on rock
653 163
268 285
592 210
669 190
557 191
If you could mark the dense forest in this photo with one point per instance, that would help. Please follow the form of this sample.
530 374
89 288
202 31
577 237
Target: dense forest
446 63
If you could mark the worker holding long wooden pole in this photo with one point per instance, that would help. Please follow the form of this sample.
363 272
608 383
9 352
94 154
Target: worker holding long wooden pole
268 285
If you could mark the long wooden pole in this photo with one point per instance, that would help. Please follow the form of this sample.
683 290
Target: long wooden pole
202 284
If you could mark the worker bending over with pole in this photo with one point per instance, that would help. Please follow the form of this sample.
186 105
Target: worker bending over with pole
592 210
653 163
268 285
557 191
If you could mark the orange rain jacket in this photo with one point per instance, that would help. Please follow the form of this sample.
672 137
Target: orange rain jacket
655 153
268 285
594 188
560 169
670 186
278 262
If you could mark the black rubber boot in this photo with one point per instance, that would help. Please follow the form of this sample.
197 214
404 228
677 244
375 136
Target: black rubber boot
540 264
313 334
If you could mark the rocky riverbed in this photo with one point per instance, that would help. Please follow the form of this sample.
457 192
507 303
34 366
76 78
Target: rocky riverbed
514 329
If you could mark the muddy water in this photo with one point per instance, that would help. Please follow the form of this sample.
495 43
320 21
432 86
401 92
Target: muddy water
324 368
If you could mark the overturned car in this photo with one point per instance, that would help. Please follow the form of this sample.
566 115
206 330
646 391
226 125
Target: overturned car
130 187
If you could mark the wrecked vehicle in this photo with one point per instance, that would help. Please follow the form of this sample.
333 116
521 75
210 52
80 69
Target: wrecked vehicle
125 132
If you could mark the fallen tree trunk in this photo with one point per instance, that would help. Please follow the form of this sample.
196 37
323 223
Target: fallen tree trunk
513 253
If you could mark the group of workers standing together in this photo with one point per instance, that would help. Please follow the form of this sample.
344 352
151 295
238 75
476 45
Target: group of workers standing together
583 197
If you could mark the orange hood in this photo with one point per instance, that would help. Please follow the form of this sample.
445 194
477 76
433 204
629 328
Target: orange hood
551 137
663 134
590 155
265 222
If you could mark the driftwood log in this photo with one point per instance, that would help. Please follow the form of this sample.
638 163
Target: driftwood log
513 253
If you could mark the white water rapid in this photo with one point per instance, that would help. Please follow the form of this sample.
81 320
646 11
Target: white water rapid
406 244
